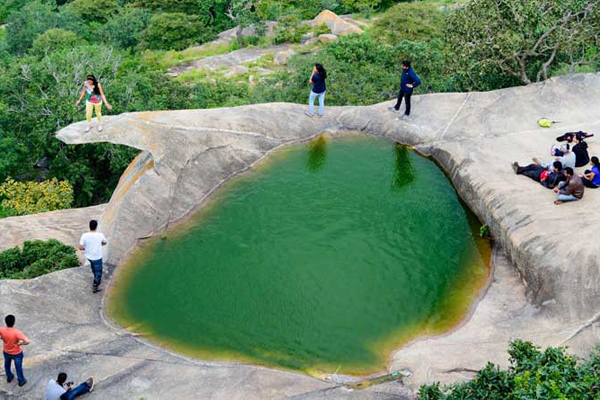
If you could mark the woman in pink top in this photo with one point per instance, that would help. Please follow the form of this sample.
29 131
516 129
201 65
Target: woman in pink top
13 340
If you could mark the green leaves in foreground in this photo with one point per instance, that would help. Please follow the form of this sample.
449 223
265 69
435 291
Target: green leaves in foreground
532 374
37 258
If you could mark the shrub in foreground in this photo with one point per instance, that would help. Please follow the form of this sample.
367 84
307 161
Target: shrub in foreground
532 374
37 258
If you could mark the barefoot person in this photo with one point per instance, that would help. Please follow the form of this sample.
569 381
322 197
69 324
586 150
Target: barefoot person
91 242
94 96
317 79
13 340
59 390
408 83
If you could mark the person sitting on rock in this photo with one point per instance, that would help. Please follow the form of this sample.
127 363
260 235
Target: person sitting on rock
580 150
567 158
59 390
569 190
591 178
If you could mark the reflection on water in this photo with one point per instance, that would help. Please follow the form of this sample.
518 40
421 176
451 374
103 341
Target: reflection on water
403 170
317 154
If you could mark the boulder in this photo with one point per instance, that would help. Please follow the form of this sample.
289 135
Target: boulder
282 57
337 25
307 37
237 70
327 38
261 71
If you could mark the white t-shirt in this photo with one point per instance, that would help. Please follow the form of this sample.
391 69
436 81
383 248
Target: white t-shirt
92 243
54 390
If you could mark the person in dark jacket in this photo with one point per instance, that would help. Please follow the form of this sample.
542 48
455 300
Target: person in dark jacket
408 83
317 79
569 190
581 154
548 179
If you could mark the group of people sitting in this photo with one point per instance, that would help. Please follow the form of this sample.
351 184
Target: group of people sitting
558 174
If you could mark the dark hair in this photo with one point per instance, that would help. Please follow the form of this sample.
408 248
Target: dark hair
406 63
62 378
321 70
10 320
595 161
557 165
95 81
93 225
569 171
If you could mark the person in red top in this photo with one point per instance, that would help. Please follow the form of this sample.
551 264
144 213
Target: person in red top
13 340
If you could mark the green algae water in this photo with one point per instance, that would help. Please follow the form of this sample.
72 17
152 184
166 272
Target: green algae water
325 258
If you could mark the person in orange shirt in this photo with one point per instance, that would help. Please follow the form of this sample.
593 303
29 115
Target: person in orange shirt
13 340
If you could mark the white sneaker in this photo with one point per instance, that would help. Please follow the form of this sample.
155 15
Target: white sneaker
88 128
404 117
99 128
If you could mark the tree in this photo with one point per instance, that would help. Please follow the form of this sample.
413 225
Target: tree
175 31
526 38
55 39
243 14
95 10
23 26
125 29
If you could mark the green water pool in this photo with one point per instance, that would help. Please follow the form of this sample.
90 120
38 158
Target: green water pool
324 258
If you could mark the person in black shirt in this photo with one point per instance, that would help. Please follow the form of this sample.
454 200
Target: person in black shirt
581 154
408 82
317 79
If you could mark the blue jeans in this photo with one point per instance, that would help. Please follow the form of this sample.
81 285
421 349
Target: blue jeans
18 359
566 197
78 391
96 266
311 102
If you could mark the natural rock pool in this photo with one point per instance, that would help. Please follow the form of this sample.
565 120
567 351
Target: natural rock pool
326 257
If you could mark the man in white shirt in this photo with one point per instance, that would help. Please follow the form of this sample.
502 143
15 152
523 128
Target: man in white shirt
56 388
91 243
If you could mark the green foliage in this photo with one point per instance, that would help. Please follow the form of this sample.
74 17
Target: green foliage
532 374
290 29
53 40
364 5
21 198
23 26
124 30
525 39
174 31
37 258
412 22
95 10
7 7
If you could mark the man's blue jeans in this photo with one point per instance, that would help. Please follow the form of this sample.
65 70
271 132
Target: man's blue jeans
78 391
566 197
18 359
311 102
96 266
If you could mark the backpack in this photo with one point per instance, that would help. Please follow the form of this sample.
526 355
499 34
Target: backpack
544 122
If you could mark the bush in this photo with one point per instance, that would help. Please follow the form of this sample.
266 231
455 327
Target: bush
55 39
37 258
412 22
33 197
174 31
289 28
532 374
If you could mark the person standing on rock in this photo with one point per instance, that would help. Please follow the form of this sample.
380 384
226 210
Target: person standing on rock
94 96
317 79
91 243
13 340
408 82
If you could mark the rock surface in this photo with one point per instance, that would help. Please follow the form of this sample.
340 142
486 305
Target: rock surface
327 38
337 25
188 154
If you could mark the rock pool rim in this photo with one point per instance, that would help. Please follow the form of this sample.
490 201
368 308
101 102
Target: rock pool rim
386 347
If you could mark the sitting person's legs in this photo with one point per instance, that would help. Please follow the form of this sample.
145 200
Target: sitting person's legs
566 197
